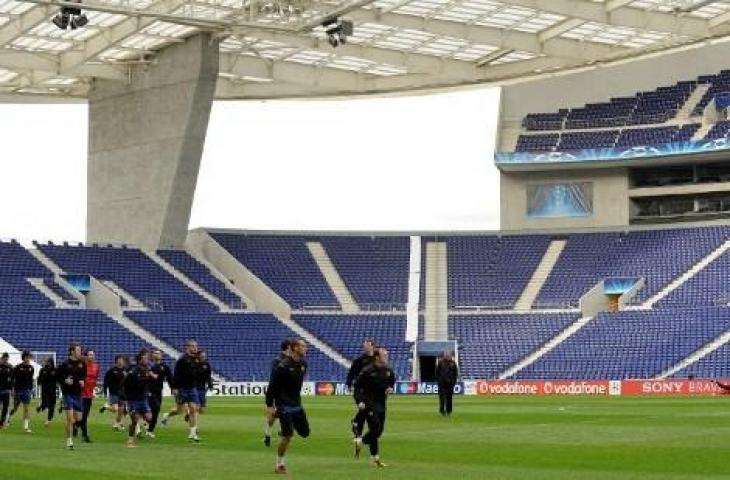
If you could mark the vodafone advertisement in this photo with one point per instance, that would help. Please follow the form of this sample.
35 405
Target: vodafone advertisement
540 387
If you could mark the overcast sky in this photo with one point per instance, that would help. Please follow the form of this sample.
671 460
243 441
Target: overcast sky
416 162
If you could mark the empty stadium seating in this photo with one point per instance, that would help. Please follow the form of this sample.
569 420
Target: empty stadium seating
490 344
284 264
345 333
630 344
240 346
200 274
132 270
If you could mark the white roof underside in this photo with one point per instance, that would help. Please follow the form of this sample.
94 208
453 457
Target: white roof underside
398 44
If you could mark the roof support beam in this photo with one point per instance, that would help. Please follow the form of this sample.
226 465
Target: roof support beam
25 22
559 29
621 16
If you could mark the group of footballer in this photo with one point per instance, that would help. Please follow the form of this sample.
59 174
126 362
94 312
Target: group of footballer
135 390
132 389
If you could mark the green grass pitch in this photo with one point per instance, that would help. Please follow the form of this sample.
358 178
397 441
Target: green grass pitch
487 438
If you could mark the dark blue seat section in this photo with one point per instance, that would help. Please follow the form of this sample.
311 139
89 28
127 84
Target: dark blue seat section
200 274
713 365
659 256
16 261
719 84
489 344
132 270
719 130
345 333
375 269
52 330
59 290
492 270
284 263
709 287
240 346
630 344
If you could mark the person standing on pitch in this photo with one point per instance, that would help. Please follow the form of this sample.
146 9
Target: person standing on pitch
136 390
372 388
6 385
270 415
367 358
49 389
283 398
87 395
71 376
164 374
23 388
447 373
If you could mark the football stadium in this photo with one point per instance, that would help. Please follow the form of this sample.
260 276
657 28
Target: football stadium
586 336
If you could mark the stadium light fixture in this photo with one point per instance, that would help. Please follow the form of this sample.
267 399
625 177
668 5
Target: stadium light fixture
338 30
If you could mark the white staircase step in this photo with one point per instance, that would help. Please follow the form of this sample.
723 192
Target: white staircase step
38 284
49 264
436 318
702 131
225 281
540 275
185 280
132 302
682 279
332 276
698 355
552 343
314 341
686 111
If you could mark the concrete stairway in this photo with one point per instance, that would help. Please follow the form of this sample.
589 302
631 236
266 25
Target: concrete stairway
679 281
225 281
552 343
332 276
38 284
540 275
314 341
132 302
47 262
685 112
699 354
185 280
702 131
436 318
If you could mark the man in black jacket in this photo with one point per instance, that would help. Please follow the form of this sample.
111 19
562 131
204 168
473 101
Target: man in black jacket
6 385
164 374
49 389
372 388
283 398
71 375
447 373
23 374
136 391
184 389
113 381
270 417
367 358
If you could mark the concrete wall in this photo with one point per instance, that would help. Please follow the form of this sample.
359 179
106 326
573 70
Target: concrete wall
101 297
610 199
264 298
145 143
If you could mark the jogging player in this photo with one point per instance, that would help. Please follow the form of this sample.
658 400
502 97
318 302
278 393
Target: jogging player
270 417
164 374
367 358
87 394
372 388
184 382
23 388
204 380
71 376
283 398
113 380
136 390
49 389
6 385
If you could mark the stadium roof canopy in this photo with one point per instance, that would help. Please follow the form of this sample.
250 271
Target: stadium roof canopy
278 48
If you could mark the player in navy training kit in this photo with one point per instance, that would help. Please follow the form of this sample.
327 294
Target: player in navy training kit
271 417
283 398
49 389
6 386
23 388
113 381
71 376
164 374
184 388
372 388
367 358
136 391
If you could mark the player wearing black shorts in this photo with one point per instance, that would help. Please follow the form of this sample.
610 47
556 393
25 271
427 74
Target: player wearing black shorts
71 375
113 381
136 391
49 389
270 418
23 388
164 374
6 385
372 388
283 398
367 358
